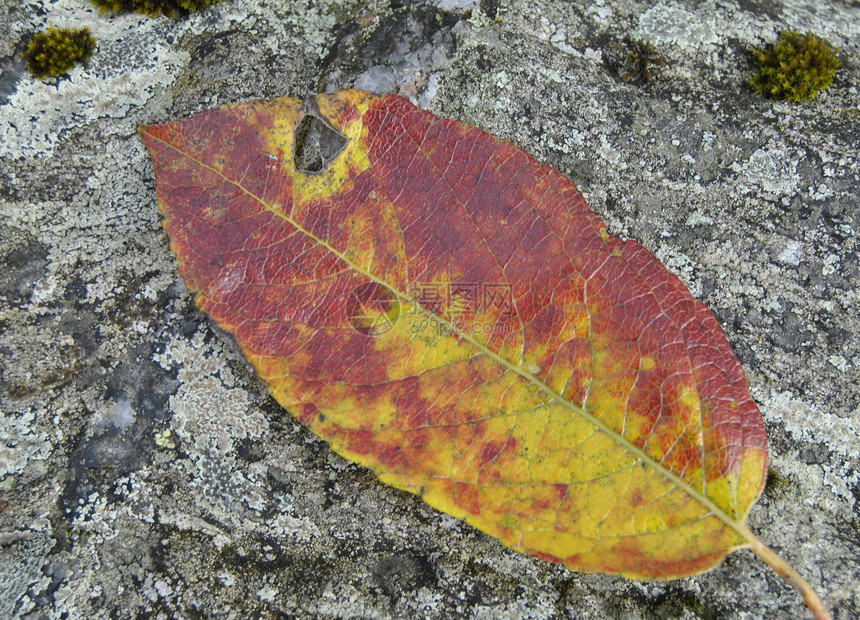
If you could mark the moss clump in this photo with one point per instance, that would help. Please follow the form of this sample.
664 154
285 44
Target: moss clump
154 8
55 51
775 481
796 68
645 59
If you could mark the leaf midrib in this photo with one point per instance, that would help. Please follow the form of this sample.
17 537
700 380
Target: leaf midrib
738 526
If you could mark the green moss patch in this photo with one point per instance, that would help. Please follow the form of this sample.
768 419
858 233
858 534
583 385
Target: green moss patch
796 68
55 51
154 8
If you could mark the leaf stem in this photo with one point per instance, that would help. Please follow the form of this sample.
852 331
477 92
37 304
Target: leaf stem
784 570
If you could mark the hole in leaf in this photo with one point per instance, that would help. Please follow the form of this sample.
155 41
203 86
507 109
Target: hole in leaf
316 144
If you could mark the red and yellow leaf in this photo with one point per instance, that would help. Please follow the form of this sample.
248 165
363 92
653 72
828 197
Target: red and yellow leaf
443 309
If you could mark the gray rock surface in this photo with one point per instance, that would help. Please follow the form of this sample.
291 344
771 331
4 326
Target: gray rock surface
144 471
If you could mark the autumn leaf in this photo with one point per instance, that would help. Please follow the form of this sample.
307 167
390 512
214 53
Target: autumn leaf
446 311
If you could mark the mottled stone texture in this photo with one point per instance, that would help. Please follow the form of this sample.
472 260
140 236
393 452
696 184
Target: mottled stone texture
145 471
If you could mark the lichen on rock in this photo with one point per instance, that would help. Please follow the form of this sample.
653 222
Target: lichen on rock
209 416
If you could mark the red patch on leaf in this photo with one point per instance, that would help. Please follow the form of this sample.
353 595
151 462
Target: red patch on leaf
467 497
492 450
